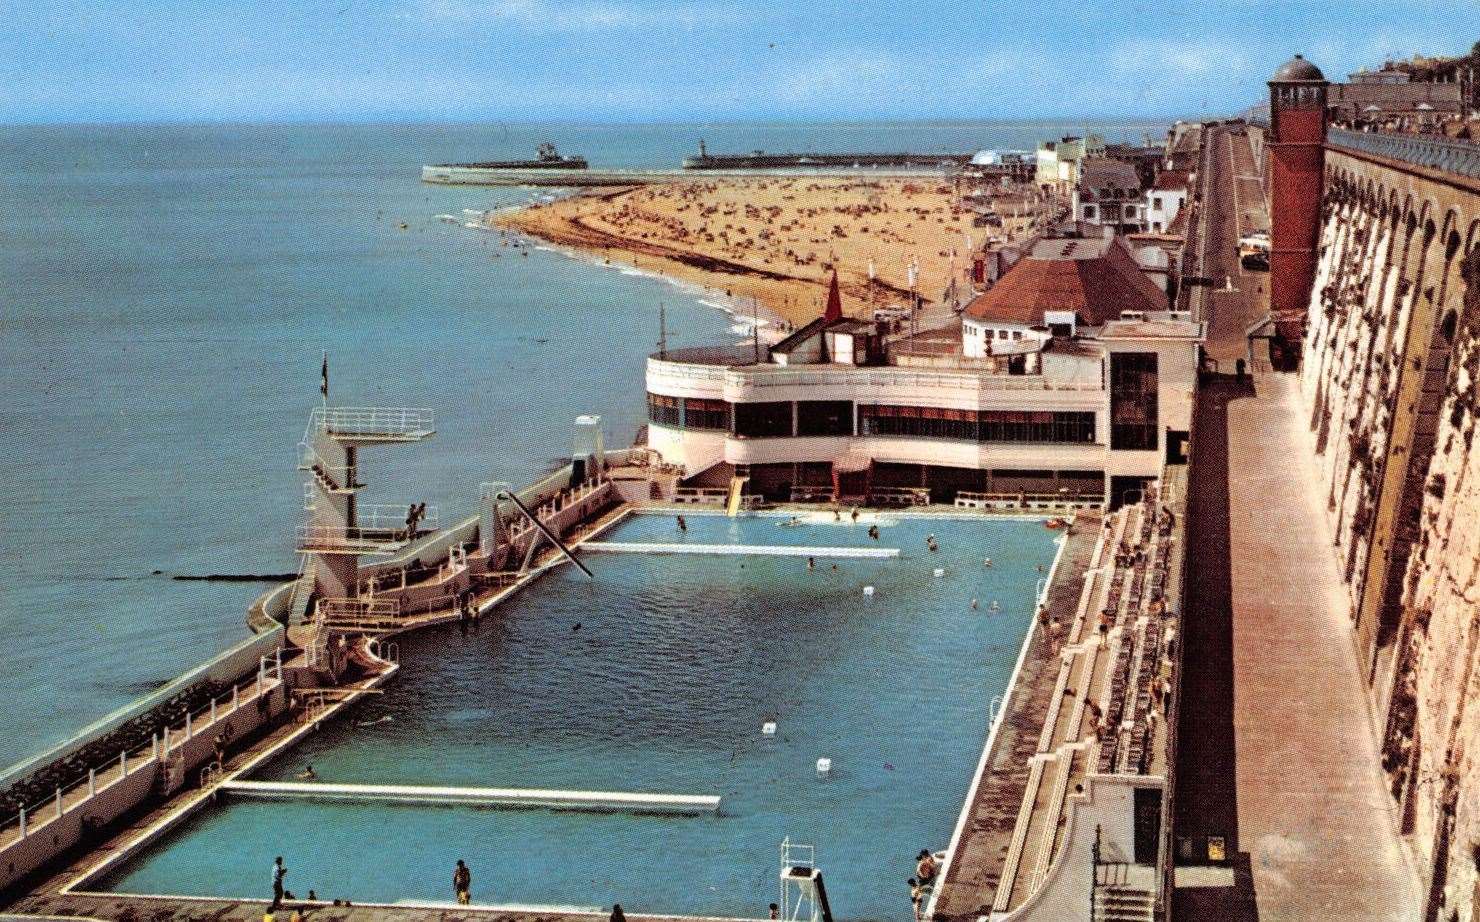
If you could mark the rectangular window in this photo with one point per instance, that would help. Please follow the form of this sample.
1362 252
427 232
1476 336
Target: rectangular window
663 411
706 414
1045 426
763 420
1156 203
1133 411
824 417
1089 212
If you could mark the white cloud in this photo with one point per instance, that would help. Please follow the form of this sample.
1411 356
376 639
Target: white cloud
1174 60
577 15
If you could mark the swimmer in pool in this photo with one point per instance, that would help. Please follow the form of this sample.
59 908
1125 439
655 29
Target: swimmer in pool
308 774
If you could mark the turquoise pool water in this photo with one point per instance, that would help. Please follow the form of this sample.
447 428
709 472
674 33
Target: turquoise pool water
664 687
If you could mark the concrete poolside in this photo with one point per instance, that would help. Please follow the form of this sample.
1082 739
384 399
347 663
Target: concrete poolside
970 882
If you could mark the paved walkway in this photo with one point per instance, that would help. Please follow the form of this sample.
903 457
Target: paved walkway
971 881
1280 757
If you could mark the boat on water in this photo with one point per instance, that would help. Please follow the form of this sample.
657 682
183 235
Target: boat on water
547 158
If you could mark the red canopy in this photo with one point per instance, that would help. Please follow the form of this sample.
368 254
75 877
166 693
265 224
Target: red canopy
834 309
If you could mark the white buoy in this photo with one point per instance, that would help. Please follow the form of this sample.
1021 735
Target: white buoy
824 766
868 590
769 728
939 572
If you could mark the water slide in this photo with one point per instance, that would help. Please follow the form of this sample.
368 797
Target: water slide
822 903
737 487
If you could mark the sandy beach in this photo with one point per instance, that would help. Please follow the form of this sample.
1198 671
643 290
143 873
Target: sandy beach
775 240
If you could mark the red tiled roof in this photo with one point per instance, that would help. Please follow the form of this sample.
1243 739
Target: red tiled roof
1172 179
1097 279
1178 226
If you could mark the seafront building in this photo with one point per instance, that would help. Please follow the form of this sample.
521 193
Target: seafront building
1070 378
1108 196
1059 161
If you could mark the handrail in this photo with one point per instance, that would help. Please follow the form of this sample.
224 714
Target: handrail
759 376
371 421
1448 154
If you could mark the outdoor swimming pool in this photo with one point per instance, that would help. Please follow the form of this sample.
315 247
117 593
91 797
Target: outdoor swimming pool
657 676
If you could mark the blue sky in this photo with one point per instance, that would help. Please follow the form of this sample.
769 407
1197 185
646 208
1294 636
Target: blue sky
678 60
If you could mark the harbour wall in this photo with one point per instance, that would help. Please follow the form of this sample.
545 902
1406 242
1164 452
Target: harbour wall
1391 376
231 664
52 828
491 176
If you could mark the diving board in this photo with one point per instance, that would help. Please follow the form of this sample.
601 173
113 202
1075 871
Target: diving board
749 550
609 801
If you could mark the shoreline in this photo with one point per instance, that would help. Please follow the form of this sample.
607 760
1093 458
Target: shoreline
788 237
771 323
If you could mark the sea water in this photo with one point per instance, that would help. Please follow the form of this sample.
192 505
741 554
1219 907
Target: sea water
166 294
658 675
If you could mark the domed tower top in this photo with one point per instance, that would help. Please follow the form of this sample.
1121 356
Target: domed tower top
1298 70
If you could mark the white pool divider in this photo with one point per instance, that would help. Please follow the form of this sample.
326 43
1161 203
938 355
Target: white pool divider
750 550
609 801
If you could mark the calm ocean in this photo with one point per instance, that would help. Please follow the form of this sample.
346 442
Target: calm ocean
165 294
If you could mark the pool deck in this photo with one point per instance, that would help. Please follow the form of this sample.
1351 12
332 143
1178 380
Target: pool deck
970 882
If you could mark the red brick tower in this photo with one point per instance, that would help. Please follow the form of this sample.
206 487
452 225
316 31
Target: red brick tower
1296 152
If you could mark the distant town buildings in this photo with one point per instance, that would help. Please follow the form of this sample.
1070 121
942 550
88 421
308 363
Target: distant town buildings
1059 161
1108 195
1165 200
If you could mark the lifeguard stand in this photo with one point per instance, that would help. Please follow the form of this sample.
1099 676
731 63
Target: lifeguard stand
803 896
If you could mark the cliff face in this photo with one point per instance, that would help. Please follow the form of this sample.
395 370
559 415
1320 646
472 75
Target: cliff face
1391 374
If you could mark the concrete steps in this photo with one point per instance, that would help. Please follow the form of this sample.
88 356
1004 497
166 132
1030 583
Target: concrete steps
1124 904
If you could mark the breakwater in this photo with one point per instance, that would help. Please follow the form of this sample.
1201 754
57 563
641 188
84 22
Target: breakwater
494 176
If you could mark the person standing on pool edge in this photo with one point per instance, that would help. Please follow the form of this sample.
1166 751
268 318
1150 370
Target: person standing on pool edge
462 883
279 871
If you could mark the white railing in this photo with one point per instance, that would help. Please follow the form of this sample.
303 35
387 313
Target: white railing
687 371
716 495
358 609
162 747
393 516
311 537
959 381
372 421
329 476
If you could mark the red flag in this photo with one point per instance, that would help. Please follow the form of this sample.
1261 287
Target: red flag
834 309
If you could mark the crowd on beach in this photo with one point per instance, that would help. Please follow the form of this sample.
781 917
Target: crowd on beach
774 239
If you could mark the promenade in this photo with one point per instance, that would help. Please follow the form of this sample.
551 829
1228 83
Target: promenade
1277 749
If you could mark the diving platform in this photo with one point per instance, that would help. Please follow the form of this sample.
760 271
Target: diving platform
380 528
601 801
373 425
737 550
